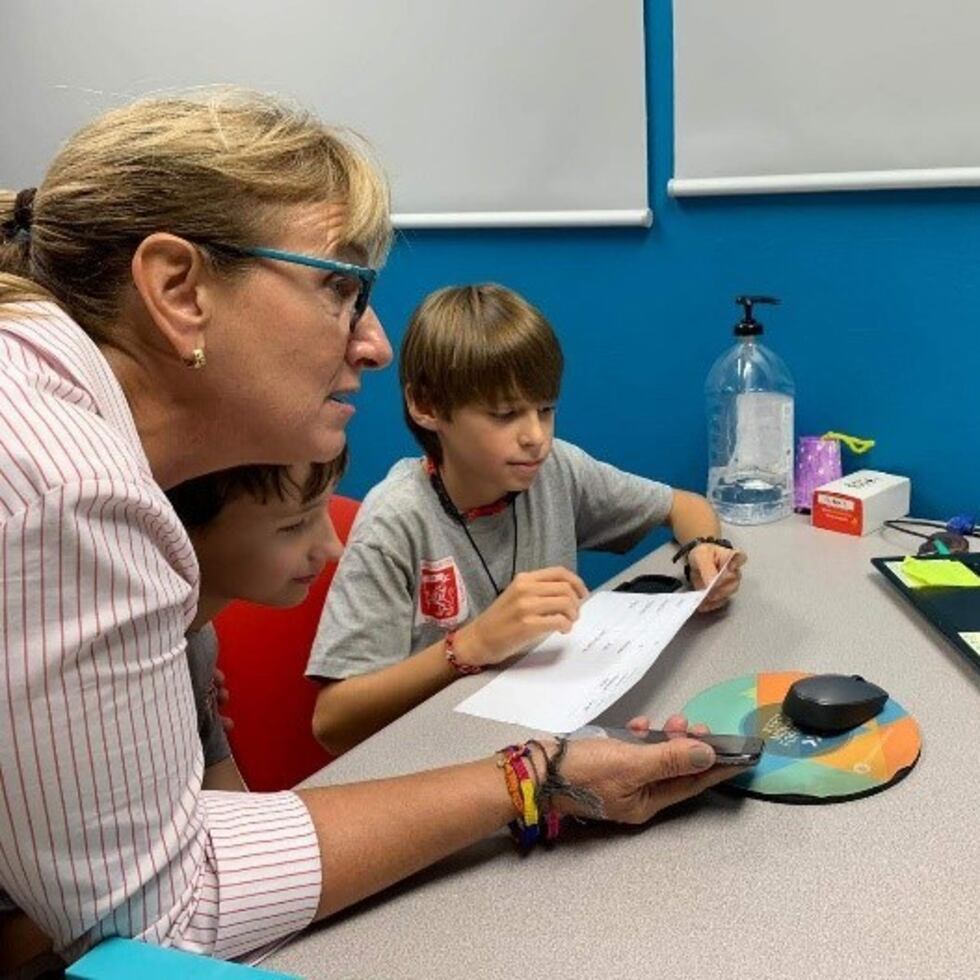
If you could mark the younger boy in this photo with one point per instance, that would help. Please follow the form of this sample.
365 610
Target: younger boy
261 533
467 557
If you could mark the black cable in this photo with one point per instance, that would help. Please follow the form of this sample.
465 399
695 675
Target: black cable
479 554
451 509
895 526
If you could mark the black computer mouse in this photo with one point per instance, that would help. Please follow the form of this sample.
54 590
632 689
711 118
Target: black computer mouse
832 703
944 543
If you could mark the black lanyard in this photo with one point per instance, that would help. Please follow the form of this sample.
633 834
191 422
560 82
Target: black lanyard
450 508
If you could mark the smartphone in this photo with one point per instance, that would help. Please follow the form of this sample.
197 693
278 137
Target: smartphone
730 750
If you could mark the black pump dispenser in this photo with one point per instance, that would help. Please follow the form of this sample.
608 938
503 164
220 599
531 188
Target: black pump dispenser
749 326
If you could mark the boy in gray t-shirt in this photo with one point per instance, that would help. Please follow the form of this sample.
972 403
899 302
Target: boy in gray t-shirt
261 533
467 557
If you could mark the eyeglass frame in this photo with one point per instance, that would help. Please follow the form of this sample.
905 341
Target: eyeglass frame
363 273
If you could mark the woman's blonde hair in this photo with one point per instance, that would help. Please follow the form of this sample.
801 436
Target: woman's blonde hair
476 345
209 166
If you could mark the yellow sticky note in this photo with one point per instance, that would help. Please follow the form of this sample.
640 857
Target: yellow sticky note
944 572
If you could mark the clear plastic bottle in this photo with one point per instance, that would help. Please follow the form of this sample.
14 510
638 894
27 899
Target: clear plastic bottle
749 398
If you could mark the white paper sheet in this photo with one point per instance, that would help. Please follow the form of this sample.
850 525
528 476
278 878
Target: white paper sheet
567 680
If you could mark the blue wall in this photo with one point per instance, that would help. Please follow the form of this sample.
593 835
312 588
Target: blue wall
881 298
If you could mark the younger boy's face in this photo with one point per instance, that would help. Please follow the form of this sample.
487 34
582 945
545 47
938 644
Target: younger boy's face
269 553
493 450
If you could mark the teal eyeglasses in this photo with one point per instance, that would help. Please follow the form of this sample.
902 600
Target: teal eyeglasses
354 281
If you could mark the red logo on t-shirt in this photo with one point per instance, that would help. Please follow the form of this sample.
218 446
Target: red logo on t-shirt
442 596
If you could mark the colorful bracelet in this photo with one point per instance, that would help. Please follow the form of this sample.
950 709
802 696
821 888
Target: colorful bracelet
534 821
549 815
460 668
513 786
527 829
523 794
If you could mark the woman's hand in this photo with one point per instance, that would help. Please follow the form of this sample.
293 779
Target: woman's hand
705 561
675 724
635 782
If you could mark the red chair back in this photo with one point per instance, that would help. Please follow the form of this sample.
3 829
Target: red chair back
263 653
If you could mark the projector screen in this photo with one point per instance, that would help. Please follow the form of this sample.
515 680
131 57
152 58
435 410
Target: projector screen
793 95
516 112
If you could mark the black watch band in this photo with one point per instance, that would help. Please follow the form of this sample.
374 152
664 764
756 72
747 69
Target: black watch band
694 542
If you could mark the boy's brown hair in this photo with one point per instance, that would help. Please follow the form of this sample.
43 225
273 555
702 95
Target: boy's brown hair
476 345
199 501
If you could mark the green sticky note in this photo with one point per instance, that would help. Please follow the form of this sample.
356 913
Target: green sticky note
944 572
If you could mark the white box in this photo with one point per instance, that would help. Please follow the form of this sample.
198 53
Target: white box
860 503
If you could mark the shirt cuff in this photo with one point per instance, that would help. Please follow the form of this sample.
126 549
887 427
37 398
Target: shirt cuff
269 873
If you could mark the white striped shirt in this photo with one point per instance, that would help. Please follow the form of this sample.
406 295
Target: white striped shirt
104 828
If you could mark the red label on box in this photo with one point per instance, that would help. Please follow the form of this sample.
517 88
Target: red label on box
837 512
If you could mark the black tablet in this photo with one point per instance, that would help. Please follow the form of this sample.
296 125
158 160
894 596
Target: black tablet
955 612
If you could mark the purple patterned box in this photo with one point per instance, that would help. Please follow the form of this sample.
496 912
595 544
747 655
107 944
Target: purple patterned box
817 463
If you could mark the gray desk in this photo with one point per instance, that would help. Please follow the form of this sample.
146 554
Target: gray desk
887 886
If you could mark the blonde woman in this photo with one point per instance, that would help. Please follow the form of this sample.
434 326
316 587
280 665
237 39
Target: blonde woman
187 290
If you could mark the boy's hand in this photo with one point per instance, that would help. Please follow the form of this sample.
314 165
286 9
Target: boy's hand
221 697
705 561
533 605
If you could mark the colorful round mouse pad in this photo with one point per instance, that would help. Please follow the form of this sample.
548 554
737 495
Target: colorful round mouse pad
800 767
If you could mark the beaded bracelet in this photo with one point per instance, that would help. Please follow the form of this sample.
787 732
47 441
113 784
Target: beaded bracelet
691 545
460 668
694 542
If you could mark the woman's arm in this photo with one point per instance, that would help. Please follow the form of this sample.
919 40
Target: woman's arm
104 705
373 834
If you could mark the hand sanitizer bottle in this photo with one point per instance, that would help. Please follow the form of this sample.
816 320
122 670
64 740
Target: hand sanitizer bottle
749 399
